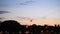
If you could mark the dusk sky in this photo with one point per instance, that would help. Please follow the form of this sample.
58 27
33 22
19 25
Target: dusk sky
41 11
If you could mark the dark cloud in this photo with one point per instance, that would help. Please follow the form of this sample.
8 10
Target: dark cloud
3 12
26 2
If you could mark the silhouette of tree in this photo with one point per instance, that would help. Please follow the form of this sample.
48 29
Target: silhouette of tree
0 25
10 26
13 26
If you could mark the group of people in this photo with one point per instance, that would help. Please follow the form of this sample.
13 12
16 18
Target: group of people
13 27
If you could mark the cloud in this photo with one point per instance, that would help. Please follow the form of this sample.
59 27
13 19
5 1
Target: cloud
2 18
26 2
24 18
3 12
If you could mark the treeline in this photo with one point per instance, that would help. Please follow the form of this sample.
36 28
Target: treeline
13 27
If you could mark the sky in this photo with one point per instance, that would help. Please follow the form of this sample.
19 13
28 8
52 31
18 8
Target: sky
41 11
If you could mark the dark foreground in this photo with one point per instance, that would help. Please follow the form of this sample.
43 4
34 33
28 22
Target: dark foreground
13 27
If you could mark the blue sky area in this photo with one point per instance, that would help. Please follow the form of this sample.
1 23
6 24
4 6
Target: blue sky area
31 8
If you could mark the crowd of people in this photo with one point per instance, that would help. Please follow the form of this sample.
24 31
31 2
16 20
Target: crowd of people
13 27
